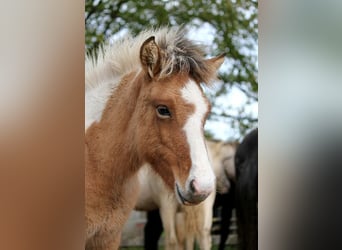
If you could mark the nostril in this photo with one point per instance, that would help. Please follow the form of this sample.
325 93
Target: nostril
192 186
196 189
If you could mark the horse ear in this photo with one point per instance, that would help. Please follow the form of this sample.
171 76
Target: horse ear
216 62
213 64
150 57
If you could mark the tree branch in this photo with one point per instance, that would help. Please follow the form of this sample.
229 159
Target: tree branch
246 92
92 11
234 117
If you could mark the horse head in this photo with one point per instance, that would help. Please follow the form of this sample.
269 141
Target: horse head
170 114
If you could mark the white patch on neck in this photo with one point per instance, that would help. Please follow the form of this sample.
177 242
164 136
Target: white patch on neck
201 169
95 102
96 99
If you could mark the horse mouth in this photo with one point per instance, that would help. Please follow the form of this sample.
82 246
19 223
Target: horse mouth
183 199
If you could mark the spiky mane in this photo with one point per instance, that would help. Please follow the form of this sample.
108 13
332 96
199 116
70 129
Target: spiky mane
179 55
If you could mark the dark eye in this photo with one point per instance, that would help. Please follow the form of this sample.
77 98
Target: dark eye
163 112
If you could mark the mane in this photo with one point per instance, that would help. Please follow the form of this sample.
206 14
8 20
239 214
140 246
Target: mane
179 55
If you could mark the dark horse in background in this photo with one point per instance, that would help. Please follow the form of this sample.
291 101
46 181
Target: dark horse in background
227 202
153 230
246 164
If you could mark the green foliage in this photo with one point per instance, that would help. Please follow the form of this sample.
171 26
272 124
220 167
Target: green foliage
234 22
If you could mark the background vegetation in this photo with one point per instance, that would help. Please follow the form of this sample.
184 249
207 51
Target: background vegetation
234 28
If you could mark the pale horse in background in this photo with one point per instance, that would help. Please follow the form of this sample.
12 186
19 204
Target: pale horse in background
183 224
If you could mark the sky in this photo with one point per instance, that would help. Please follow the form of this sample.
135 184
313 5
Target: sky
231 102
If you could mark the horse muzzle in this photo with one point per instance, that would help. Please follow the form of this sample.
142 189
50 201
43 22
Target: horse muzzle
194 194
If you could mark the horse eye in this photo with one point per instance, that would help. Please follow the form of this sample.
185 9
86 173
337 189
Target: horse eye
163 112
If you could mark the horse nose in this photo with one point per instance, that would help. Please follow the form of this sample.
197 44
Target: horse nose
194 186
198 191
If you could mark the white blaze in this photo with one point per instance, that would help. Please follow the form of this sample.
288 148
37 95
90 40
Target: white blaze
201 169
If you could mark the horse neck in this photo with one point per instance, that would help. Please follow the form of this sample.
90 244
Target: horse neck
109 147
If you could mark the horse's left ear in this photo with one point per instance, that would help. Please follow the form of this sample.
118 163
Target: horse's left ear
212 65
216 62
150 57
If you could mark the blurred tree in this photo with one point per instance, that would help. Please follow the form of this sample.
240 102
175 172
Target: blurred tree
234 24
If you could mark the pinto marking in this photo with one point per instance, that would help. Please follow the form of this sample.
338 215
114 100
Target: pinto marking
200 166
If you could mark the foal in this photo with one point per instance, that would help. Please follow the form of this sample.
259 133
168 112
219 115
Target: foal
144 104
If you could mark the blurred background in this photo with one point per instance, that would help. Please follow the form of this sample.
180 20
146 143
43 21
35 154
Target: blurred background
229 27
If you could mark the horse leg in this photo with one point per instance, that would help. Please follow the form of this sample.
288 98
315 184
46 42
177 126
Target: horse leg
180 230
190 241
190 225
186 234
152 231
194 220
226 215
102 237
104 241
206 209
168 215
204 239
